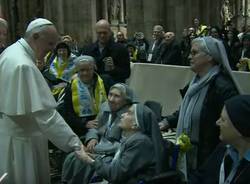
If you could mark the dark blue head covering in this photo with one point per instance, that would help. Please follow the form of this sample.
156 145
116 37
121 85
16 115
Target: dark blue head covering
148 125
238 109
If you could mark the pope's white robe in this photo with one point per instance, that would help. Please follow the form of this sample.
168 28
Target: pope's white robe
27 119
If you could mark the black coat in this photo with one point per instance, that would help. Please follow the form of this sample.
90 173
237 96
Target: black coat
120 58
210 171
155 50
169 54
233 53
134 163
220 89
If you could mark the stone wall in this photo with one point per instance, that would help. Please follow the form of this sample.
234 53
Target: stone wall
76 18
19 13
174 15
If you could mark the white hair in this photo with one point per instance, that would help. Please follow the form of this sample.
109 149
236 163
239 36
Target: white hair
84 59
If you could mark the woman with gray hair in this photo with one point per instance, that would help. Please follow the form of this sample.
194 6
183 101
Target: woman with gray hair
104 140
83 96
204 97
141 154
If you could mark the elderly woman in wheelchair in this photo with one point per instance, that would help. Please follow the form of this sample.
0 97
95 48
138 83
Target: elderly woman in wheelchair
141 154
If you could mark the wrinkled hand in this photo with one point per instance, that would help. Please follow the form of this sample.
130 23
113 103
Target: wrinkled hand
83 155
92 124
91 144
164 125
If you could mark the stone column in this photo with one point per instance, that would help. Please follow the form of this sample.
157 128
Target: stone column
153 14
122 12
54 11
246 13
105 9
60 16
18 14
93 19
8 13
135 14
75 18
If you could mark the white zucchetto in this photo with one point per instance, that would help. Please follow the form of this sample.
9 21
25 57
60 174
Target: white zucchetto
38 23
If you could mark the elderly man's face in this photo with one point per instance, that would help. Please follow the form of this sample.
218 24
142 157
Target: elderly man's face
191 31
45 42
228 133
157 32
85 72
103 34
169 37
120 36
116 99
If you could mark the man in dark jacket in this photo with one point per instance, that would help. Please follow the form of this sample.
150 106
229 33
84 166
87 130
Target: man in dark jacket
170 51
158 35
112 59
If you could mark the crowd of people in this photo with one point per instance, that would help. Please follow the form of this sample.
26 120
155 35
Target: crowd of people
78 100
165 48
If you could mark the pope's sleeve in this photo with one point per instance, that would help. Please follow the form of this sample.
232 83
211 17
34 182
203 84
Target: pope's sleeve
56 130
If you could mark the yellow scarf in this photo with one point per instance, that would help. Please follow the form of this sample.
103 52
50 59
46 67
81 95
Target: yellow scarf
63 70
84 103
60 68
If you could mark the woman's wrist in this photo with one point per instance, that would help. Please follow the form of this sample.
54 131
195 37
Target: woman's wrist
91 160
88 159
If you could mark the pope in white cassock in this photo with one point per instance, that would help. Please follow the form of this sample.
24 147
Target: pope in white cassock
27 109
